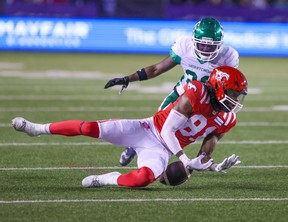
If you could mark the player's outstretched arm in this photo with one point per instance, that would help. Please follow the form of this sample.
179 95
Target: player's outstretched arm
143 74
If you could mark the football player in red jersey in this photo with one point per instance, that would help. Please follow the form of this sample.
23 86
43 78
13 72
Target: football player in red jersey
197 54
204 110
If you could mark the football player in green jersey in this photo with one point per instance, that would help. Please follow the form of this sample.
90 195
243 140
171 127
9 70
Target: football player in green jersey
198 55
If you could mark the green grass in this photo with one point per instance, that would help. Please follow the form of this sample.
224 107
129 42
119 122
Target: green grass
50 166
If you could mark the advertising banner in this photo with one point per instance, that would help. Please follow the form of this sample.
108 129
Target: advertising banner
132 36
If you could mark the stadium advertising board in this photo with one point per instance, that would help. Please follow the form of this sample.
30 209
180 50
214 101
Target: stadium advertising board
132 36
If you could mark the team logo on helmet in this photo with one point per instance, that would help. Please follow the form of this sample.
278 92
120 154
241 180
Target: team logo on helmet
220 75
230 87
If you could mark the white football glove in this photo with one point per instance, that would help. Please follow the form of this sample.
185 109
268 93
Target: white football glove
195 164
227 163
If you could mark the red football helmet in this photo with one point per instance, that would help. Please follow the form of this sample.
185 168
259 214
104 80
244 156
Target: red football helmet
230 86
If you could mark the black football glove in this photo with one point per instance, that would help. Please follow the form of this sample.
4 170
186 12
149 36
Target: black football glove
118 81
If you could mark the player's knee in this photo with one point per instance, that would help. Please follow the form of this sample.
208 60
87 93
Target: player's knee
90 129
145 176
137 178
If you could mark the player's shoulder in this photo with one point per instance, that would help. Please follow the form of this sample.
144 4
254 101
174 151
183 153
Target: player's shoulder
195 88
194 84
181 48
198 96
184 39
183 42
228 56
229 51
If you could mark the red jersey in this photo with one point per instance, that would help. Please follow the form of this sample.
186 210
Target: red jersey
203 120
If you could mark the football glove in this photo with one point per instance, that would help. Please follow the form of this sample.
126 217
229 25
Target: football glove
227 163
118 81
196 164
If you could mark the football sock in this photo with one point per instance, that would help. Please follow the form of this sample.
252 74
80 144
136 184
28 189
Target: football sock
109 178
137 178
75 128
41 128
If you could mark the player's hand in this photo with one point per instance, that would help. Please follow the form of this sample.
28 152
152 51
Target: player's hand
196 164
118 81
227 163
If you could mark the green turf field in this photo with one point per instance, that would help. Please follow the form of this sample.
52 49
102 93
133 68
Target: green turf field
40 178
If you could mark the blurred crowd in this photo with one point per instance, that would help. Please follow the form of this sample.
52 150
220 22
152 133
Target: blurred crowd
241 3
138 8
52 1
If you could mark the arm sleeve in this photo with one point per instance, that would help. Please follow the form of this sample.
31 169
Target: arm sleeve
173 122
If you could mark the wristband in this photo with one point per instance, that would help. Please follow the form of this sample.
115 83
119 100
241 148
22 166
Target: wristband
126 80
142 74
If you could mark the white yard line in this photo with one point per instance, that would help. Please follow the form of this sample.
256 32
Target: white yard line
158 96
262 142
109 97
114 168
140 200
66 168
244 124
82 98
77 109
280 108
269 124
55 144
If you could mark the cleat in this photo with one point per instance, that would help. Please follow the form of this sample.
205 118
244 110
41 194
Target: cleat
23 125
127 156
91 181
101 180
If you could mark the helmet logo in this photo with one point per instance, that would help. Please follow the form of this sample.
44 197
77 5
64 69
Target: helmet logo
220 75
206 40
191 86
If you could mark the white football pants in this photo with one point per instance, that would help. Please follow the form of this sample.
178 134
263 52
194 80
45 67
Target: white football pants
142 136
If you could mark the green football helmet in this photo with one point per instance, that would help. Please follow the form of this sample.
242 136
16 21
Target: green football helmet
207 38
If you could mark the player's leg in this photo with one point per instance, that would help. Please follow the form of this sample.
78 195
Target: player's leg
129 153
136 178
151 165
65 128
152 156
119 132
151 162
